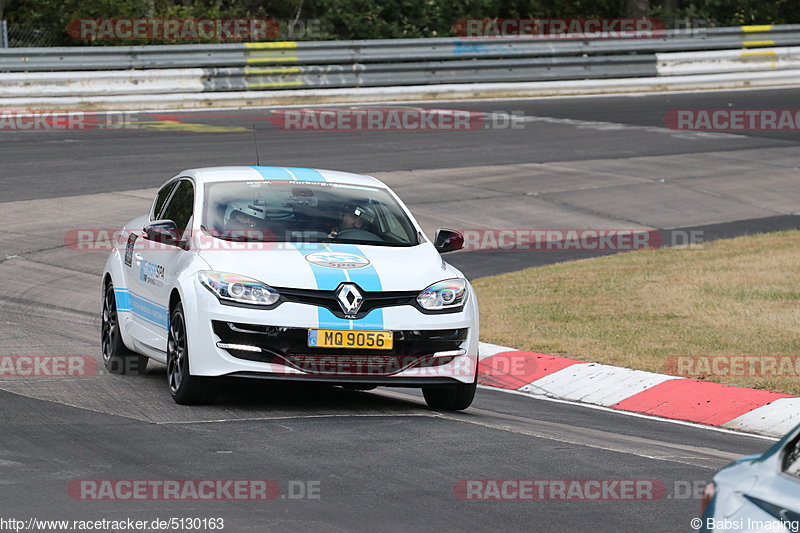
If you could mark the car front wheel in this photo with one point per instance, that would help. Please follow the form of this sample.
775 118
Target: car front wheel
454 397
185 388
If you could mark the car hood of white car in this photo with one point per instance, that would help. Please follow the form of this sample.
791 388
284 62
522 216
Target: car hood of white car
325 266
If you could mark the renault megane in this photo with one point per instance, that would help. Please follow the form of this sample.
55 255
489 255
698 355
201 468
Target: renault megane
290 274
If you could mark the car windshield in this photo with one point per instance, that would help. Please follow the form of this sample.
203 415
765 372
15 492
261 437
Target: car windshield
279 211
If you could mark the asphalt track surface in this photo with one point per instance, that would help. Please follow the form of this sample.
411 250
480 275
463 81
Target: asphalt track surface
381 459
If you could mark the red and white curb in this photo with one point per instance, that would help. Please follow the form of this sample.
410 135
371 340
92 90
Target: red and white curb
690 400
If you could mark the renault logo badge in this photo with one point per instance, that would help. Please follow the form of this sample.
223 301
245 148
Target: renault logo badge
349 298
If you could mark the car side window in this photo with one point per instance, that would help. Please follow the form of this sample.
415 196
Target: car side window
161 198
180 206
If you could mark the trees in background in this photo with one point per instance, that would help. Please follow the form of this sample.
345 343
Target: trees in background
372 19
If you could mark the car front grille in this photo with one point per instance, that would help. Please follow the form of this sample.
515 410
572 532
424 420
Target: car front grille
371 300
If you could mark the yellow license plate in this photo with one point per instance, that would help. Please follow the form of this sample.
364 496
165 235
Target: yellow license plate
345 338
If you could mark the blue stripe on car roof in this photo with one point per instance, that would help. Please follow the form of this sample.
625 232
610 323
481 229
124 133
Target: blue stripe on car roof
289 173
305 174
274 173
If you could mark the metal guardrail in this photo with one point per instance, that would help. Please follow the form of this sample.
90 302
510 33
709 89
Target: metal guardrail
389 50
378 63
431 72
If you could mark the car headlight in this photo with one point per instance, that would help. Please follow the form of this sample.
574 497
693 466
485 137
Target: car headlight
447 294
240 289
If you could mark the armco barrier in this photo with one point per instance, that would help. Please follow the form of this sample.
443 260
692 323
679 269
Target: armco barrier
83 72
681 63
381 51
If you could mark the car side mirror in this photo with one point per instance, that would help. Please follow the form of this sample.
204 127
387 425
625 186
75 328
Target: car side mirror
448 240
164 232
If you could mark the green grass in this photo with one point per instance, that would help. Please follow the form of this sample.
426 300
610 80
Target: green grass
729 297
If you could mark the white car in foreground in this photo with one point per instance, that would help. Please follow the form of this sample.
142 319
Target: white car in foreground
290 274
756 494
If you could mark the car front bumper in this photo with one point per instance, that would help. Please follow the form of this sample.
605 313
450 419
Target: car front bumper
271 343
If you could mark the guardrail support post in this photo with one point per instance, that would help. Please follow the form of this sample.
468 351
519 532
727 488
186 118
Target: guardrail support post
4 34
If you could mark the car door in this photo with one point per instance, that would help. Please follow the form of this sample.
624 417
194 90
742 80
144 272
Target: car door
158 264
136 324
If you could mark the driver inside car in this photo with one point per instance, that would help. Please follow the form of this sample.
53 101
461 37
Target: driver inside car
244 218
354 223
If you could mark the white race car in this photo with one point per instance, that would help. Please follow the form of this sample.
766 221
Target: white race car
756 494
291 274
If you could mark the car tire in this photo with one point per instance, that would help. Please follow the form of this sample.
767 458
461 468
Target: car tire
185 388
454 397
117 358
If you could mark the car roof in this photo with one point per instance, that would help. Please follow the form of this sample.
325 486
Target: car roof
244 173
